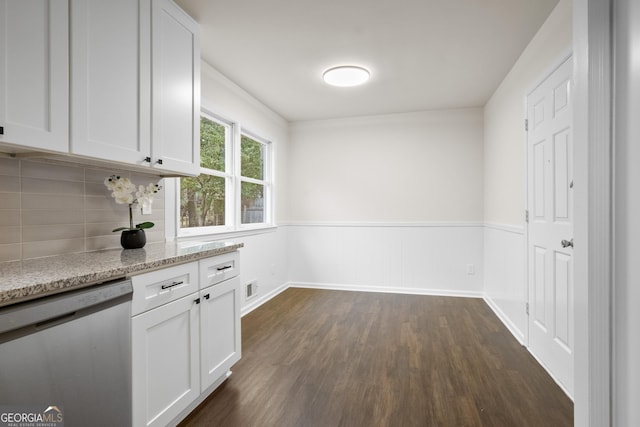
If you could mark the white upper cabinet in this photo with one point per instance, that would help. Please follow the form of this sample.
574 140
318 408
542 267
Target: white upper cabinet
113 83
34 74
175 79
110 86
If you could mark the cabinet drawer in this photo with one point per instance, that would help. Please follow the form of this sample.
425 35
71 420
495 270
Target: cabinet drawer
159 287
219 268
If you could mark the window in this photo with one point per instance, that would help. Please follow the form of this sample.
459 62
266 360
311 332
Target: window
203 198
252 182
233 189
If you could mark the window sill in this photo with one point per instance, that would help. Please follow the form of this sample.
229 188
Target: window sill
227 234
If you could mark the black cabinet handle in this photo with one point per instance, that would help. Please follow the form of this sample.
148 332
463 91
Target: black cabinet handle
147 159
207 296
197 301
225 267
159 161
171 285
1 130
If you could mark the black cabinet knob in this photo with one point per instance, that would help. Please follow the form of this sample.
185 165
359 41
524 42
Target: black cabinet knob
147 159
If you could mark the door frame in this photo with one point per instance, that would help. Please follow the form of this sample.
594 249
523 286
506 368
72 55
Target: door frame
593 168
544 75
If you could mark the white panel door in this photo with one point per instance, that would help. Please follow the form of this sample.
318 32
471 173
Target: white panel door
176 89
550 204
111 88
34 73
220 330
165 361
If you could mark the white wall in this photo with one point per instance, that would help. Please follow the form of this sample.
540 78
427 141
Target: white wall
264 256
504 266
626 315
388 203
264 259
504 169
398 202
414 259
223 97
504 114
416 167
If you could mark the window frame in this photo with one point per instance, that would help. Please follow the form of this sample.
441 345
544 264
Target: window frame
266 182
233 182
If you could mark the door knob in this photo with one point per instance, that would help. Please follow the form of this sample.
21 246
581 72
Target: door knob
567 243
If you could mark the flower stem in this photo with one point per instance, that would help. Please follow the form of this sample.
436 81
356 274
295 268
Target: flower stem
130 217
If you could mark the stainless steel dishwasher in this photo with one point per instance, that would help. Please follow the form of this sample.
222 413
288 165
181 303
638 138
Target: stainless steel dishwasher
71 352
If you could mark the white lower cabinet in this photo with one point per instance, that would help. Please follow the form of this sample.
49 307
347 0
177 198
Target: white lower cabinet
183 346
166 357
219 330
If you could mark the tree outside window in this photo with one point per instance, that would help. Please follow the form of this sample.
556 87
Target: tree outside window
202 198
252 180
209 200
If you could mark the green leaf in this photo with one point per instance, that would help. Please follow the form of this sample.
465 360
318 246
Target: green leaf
144 225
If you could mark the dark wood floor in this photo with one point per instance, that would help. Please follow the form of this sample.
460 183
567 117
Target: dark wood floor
333 358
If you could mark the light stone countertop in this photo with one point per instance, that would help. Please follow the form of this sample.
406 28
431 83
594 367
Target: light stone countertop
35 278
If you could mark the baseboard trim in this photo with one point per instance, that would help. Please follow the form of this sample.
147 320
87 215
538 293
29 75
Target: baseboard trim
389 290
263 299
550 374
515 331
342 287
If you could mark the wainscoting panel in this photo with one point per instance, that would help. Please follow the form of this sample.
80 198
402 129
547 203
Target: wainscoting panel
504 276
443 259
263 261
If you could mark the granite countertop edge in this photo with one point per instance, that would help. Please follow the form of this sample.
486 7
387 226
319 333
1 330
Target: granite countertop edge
39 277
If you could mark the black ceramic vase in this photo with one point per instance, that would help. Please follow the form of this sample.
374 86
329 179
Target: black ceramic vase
133 239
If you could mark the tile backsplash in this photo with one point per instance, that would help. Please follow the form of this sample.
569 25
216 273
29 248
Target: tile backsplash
51 208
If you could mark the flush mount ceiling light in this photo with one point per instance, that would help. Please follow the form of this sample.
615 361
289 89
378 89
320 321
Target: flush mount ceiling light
346 76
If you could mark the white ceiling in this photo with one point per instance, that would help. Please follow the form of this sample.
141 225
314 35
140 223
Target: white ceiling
423 54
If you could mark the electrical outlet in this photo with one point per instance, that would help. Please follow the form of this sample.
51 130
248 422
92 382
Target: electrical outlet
471 269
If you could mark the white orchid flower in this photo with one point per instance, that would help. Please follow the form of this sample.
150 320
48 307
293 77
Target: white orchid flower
123 190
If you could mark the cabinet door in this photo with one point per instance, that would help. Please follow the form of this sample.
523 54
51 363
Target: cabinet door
110 88
220 339
34 73
176 89
165 347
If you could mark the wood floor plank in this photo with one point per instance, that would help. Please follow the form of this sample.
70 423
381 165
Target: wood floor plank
335 358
